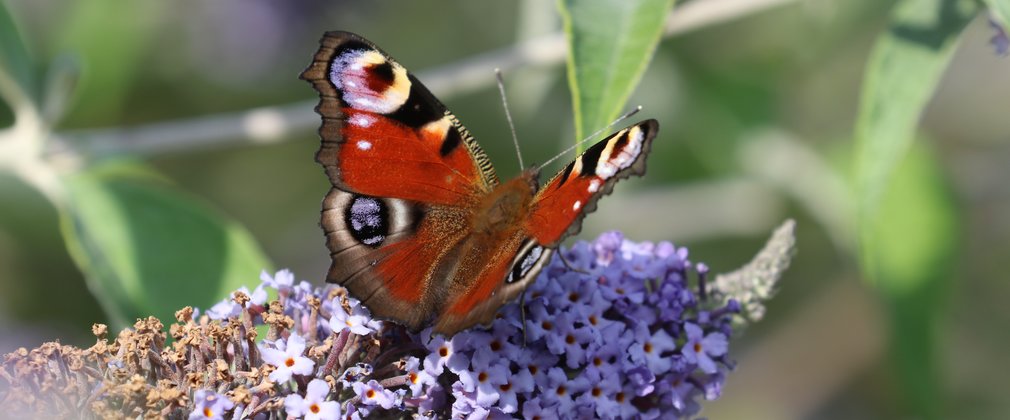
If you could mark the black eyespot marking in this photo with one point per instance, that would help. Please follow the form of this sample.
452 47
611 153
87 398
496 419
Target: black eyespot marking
419 109
526 262
383 71
566 173
451 141
621 143
591 158
368 220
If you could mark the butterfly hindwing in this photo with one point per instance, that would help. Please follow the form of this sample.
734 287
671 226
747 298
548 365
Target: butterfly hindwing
562 203
387 253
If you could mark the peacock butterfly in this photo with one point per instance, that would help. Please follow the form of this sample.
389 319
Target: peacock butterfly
418 226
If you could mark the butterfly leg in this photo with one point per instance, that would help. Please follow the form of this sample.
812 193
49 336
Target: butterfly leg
522 314
569 265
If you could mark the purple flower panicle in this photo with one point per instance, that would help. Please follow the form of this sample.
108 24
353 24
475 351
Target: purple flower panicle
618 329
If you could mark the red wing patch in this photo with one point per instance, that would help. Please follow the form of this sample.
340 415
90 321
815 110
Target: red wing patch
560 205
385 135
382 157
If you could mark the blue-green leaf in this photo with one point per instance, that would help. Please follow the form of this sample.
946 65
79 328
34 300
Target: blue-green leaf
610 45
17 69
147 248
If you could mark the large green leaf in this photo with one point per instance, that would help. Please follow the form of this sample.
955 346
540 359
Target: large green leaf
610 45
17 71
147 248
915 242
906 221
903 71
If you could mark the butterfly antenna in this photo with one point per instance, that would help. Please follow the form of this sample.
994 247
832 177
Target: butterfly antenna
508 115
591 136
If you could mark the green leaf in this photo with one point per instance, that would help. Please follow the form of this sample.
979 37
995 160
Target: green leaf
906 221
903 71
915 242
17 70
610 45
1000 10
147 248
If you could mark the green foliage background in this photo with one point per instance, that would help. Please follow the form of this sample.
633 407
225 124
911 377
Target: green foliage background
879 125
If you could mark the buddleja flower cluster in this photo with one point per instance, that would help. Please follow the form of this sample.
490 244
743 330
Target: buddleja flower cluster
615 329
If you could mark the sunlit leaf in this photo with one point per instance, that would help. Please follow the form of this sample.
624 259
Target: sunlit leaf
147 248
610 45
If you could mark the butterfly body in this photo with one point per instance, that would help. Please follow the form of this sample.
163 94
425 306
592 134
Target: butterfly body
418 225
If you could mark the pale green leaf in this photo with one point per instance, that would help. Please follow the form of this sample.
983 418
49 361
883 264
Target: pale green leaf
147 248
610 45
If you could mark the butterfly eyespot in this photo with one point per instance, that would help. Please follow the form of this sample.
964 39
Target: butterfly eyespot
368 81
368 219
530 259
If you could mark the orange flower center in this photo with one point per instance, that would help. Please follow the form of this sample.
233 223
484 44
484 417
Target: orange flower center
289 362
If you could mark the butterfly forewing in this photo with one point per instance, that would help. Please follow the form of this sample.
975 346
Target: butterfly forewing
562 203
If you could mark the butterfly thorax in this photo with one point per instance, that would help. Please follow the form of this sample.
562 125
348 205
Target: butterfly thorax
504 209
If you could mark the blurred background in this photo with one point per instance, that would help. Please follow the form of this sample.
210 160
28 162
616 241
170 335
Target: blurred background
757 106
